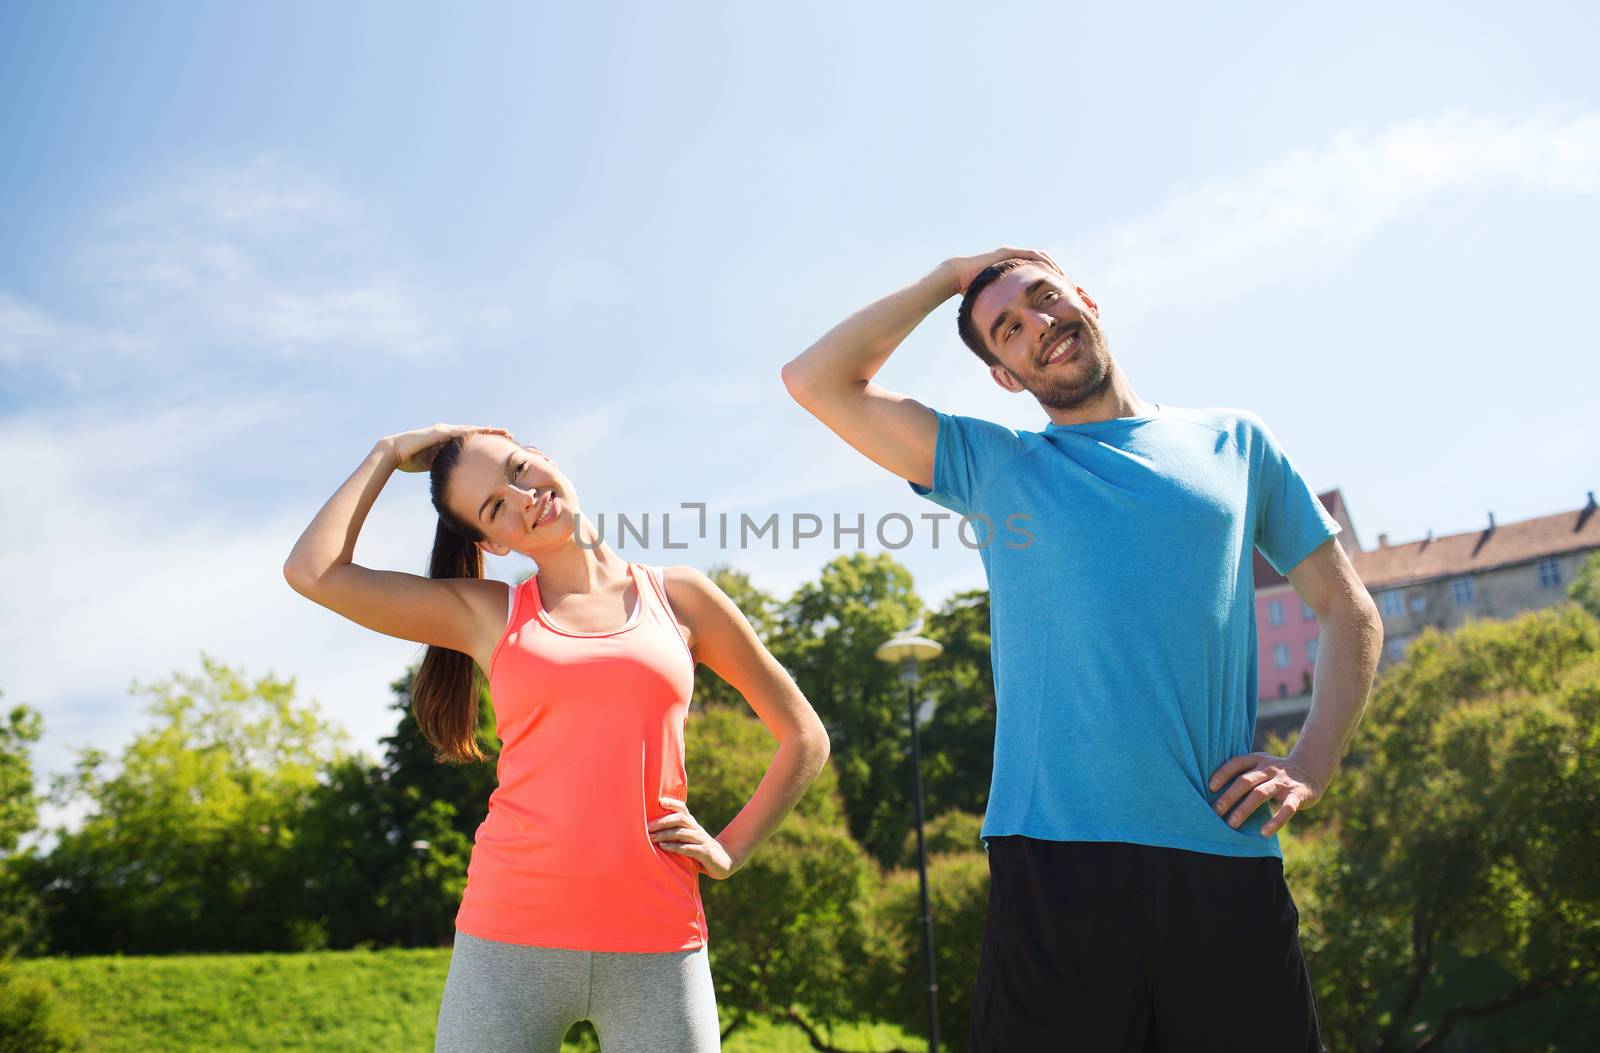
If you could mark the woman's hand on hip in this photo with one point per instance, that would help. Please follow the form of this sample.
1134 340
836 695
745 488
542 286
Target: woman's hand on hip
681 833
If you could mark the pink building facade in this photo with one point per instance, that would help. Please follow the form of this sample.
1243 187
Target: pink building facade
1286 629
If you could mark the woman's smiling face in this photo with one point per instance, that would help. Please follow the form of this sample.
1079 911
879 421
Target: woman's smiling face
514 494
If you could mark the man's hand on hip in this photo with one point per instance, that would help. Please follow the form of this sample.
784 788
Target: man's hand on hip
1259 778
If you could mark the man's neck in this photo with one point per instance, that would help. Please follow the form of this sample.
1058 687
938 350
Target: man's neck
1118 399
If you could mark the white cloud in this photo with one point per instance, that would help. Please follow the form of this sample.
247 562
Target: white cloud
1220 242
259 260
23 331
259 255
116 569
34 343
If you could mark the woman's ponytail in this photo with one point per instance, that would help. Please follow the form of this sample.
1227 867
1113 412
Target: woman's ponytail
444 695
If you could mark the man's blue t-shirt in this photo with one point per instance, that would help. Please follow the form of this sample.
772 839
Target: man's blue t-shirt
1122 614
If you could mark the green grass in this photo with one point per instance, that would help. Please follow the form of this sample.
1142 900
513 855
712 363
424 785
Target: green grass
345 1001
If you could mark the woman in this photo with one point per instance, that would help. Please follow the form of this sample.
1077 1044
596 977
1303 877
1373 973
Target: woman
582 897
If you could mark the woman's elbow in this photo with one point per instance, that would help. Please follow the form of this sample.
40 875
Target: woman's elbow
820 746
300 577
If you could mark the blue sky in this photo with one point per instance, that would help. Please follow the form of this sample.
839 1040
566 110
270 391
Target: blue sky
238 246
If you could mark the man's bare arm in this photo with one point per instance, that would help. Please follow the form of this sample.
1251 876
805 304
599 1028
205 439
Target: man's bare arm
1347 659
832 378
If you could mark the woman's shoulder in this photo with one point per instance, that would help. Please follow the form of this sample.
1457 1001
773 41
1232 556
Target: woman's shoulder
681 577
697 599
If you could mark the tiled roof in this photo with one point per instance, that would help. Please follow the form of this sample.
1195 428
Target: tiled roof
1479 550
1333 501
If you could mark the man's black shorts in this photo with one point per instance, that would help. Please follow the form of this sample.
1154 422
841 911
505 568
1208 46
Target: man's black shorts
1094 946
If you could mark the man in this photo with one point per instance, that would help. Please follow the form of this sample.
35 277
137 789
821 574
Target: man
1136 899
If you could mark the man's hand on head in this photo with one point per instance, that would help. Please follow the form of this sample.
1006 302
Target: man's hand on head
1259 778
965 268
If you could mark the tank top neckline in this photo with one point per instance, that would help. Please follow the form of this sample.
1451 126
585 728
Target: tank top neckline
550 623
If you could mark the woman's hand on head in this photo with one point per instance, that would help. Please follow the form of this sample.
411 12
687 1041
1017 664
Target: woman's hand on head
414 450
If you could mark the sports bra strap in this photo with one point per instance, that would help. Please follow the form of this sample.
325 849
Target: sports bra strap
657 576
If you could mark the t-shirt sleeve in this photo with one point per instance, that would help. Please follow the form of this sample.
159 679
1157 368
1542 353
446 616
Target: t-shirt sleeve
966 456
1290 522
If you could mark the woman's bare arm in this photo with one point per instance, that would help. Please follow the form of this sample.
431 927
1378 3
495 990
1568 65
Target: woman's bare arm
458 613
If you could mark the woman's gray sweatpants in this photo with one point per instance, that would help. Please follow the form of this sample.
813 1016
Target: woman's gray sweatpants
513 998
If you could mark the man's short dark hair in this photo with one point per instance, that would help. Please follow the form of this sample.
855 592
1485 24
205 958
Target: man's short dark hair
964 323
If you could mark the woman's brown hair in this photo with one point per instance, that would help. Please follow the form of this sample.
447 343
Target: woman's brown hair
444 695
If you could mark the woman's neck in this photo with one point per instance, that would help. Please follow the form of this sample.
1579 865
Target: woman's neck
584 563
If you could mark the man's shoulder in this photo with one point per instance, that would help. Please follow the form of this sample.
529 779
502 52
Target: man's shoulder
1244 427
983 428
1222 418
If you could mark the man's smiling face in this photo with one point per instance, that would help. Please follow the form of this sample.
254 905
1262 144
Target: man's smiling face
1045 332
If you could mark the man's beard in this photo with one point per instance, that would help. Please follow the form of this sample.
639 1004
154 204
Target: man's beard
1082 382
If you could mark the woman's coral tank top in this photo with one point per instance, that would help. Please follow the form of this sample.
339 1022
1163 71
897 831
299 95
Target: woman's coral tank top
591 729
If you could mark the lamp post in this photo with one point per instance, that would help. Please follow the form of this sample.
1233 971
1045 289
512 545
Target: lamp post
420 847
908 651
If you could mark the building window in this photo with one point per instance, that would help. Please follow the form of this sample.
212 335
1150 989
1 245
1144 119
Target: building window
1275 612
1283 690
1461 592
1280 655
1306 613
1391 603
1395 648
1311 650
1419 603
1549 573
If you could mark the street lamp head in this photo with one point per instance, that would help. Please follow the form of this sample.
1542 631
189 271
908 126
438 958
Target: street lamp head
905 646
908 652
420 846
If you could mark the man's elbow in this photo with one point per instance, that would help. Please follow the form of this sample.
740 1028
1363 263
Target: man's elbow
795 380
1362 615
301 578
1367 613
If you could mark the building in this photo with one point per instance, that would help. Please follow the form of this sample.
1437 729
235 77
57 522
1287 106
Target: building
1496 572
1441 583
1286 629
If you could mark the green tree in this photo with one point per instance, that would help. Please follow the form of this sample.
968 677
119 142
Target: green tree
348 850
894 980
186 844
945 833
1585 588
32 1018
788 930
19 804
958 742
420 780
760 610
830 631
383 847
1451 877
20 920
377 864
